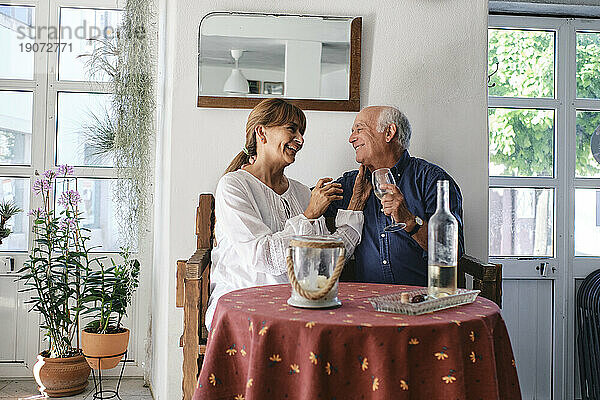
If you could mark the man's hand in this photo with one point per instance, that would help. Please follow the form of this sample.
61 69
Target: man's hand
321 197
360 192
394 204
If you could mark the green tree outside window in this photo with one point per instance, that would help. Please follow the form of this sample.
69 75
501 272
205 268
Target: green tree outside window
521 141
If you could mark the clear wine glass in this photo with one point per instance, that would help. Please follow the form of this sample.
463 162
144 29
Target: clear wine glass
380 177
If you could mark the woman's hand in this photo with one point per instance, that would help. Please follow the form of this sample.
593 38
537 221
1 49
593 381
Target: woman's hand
360 192
322 196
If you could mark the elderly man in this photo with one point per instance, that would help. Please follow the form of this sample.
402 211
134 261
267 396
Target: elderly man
380 137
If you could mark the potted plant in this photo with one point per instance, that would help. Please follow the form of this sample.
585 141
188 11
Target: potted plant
55 274
108 293
7 210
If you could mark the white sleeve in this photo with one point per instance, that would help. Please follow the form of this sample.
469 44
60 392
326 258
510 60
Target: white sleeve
254 240
349 226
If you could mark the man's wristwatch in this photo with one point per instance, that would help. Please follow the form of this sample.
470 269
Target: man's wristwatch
418 225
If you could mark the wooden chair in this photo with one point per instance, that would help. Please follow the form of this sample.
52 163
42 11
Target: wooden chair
486 277
193 285
192 293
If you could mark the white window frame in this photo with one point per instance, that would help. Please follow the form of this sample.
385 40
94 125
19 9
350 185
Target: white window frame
37 85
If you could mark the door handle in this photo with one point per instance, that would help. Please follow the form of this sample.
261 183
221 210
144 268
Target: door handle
543 268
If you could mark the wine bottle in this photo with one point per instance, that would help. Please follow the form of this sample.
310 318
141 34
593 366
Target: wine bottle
442 246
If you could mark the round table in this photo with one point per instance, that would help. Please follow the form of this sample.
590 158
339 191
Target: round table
262 348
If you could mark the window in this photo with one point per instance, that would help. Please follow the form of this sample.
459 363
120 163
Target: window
54 109
526 121
56 118
521 222
16 64
522 141
525 60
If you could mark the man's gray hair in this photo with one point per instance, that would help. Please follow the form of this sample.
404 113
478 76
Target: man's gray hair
391 115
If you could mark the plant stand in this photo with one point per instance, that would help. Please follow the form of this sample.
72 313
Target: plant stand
99 392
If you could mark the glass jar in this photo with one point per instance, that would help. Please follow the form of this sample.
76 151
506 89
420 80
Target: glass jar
314 259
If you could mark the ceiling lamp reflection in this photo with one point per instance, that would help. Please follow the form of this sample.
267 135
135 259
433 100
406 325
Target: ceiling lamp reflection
237 82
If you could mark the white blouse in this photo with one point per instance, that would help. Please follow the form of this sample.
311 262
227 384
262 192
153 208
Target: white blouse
252 230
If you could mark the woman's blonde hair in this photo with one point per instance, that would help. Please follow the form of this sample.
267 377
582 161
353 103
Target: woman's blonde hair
268 113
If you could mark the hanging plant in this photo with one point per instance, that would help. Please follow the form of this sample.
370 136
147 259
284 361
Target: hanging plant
126 133
133 103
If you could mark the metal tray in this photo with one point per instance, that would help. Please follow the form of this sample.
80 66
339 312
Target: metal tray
391 302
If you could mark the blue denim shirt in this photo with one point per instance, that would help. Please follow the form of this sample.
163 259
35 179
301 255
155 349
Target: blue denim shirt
395 257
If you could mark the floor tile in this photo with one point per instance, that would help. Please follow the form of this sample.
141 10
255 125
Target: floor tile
16 389
130 389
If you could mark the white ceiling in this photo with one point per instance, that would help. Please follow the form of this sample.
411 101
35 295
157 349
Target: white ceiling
261 53
263 38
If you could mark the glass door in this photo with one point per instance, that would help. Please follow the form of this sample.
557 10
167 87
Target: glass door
526 167
544 164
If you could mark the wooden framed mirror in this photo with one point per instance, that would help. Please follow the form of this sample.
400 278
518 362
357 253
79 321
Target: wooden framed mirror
311 61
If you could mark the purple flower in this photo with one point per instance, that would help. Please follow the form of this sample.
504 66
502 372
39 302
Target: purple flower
65 169
71 197
68 223
41 186
49 175
37 212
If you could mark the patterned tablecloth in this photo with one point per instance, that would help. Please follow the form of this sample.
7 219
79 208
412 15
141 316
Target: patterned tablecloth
260 348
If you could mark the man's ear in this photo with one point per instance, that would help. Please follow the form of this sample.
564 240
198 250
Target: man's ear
390 132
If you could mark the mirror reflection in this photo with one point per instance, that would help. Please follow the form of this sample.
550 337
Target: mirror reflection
259 55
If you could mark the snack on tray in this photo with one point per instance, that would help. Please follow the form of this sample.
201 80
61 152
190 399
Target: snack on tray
417 299
405 298
417 302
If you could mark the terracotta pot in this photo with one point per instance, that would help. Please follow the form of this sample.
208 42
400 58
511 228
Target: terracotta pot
59 377
109 345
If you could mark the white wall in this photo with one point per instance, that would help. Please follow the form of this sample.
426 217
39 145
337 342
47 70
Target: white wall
426 57
334 84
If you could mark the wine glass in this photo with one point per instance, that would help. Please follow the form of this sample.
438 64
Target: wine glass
380 177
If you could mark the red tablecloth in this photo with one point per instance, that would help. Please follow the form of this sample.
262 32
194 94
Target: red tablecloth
260 348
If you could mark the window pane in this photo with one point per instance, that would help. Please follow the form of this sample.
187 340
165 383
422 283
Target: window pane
521 222
84 128
521 142
587 222
16 113
16 31
525 63
588 126
98 210
588 65
83 30
17 191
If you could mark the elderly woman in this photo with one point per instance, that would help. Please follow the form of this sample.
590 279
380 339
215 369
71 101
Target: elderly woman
258 208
